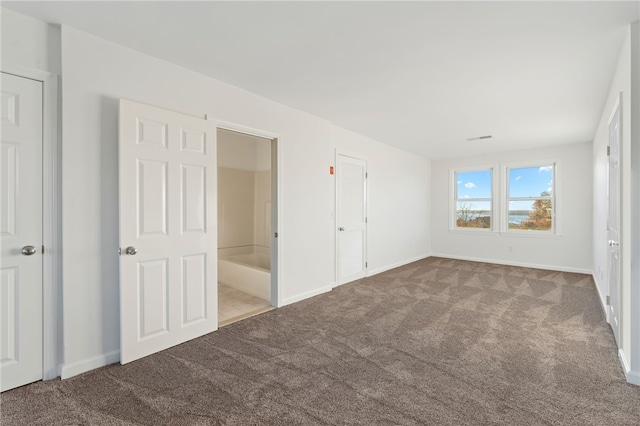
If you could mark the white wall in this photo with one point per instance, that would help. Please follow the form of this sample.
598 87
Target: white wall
98 73
30 43
398 201
626 80
570 250
262 209
236 207
244 190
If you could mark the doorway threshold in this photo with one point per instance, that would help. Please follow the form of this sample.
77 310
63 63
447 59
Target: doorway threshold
245 316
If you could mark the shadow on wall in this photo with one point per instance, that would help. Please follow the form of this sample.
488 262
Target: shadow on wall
109 206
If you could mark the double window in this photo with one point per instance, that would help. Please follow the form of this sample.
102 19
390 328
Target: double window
527 199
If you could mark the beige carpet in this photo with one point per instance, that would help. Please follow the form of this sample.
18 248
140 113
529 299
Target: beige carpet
437 342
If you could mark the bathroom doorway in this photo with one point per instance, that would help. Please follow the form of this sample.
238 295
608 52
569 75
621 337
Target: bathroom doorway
247 224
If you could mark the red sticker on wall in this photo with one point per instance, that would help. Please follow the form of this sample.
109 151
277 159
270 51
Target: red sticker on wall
330 170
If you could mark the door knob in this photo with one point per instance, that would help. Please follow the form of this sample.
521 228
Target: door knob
131 251
28 250
341 228
613 243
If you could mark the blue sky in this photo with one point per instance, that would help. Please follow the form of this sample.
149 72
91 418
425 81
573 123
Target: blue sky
530 181
474 184
523 182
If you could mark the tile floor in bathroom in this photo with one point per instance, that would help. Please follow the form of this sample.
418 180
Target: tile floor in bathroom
234 305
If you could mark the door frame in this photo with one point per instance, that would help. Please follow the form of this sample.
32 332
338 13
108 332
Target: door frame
617 108
276 194
51 209
336 208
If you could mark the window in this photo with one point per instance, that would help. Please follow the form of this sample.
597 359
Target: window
473 199
530 202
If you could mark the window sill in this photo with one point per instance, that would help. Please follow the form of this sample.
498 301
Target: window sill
530 234
474 231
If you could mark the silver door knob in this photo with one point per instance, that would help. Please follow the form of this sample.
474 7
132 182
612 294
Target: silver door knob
613 243
28 250
341 228
131 251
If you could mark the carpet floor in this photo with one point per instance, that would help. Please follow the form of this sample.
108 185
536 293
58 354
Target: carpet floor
438 342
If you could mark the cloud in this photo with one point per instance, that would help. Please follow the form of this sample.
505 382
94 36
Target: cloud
459 182
469 185
518 178
465 196
545 169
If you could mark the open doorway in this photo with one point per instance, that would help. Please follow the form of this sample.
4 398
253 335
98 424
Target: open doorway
247 191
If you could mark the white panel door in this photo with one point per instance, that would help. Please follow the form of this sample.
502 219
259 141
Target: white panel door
168 239
614 222
352 218
20 232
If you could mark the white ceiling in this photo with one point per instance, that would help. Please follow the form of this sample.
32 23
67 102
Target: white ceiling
422 76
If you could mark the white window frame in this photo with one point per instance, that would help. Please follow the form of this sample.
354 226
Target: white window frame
504 196
453 192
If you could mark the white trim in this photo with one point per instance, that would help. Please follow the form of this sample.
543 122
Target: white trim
519 264
244 129
306 295
617 109
601 296
79 367
50 213
398 264
632 377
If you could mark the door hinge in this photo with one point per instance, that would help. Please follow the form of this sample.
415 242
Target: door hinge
275 235
119 251
608 150
366 264
42 249
366 220
608 301
366 175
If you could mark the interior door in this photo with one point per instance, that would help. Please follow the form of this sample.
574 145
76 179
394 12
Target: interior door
168 235
352 218
20 232
615 129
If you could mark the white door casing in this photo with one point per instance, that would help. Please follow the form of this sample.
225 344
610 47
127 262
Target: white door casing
613 222
352 219
168 179
21 347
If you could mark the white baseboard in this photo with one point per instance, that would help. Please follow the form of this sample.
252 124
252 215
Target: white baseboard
308 294
520 264
632 377
603 297
396 265
79 367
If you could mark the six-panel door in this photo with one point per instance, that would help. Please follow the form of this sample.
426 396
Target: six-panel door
168 285
20 232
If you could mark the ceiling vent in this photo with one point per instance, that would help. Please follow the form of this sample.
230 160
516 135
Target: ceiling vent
478 138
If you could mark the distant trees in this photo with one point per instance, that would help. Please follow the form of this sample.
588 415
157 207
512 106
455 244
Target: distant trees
466 217
540 217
